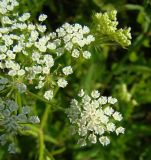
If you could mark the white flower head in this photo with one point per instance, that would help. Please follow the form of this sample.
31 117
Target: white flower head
75 53
112 100
104 140
117 116
108 111
111 127
120 130
21 72
86 54
24 17
95 94
67 70
92 138
102 100
48 95
92 120
42 17
81 93
62 83
51 46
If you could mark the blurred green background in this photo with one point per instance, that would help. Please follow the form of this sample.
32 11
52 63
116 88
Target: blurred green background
123 73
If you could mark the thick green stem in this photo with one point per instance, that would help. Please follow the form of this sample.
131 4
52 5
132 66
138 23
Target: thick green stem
41 145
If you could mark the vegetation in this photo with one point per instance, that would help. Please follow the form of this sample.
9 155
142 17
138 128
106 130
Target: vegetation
113 58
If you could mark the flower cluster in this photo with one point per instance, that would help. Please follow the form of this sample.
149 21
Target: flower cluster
13 122
29 53
94 118
6 6
75 37
106 26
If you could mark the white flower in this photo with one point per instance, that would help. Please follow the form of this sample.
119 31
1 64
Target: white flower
48 94
67 70
6 20
31 27
112 100
40 85
49 61
75 53
92 138
120 130
35 56
95 94
51 46
108 111
117 116
34 35
68 46
2 56
111 127
42 17
3 48
86 99
102 100
81 93
46 70
12 73
90 38
10 54
24 17
104 140
86 54
17 48
41 28
99 130
86 30
41 47
62 83
21 72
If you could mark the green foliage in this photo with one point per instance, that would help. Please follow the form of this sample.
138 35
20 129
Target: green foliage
125 74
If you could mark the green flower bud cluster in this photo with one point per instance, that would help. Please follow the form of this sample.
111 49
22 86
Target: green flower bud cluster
13 122
106 28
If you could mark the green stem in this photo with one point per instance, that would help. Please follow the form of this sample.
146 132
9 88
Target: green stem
58 151
41 145
45 116
47 111
18 100
37 97
43 123
51 140
33 130
10 92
